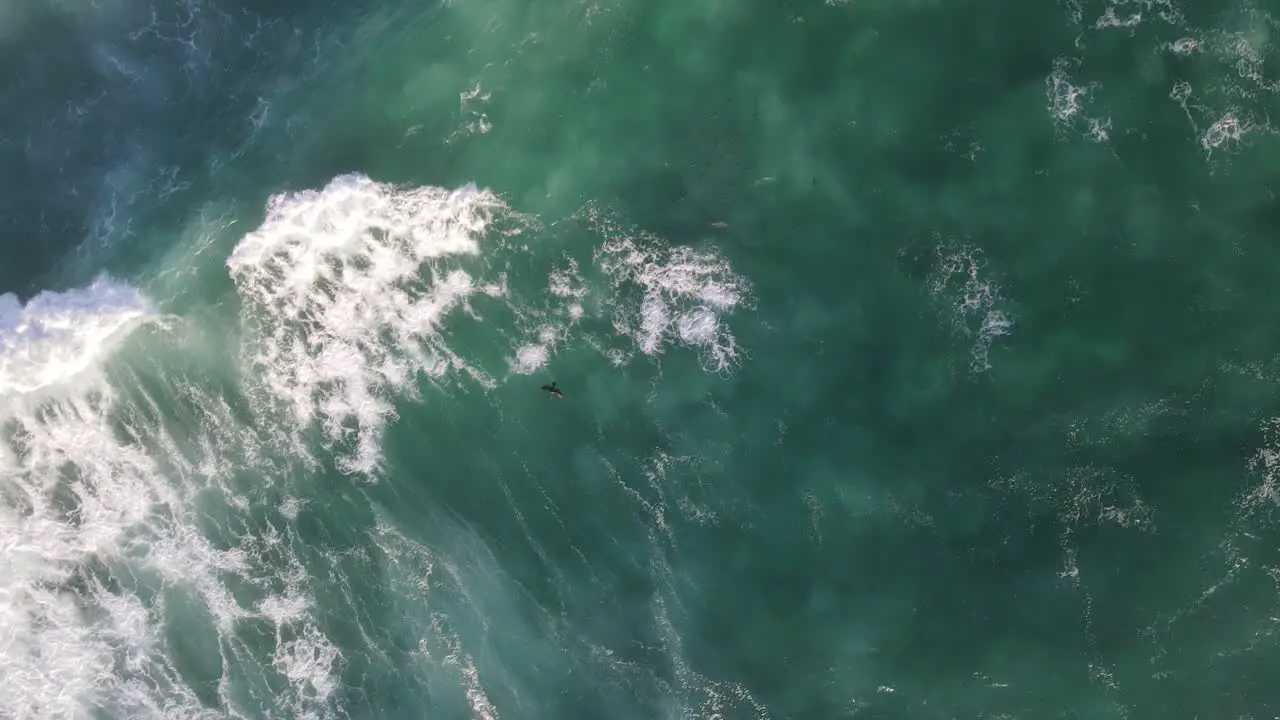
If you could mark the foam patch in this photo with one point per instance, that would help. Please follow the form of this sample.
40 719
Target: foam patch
344 297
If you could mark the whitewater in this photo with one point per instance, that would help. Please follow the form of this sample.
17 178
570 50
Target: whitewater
154 551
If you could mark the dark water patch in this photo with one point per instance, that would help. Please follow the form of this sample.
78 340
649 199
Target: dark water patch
116 116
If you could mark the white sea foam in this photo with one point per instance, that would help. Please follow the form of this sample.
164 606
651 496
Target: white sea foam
1233 91
962 280
1067 101
97 513
477 121
68 491
698 326
57 337
1266 465
308 660
345 290
685 291
1109 19
1225 130
550 328
344 299
530 358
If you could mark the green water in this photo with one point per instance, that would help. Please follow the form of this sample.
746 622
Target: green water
919 360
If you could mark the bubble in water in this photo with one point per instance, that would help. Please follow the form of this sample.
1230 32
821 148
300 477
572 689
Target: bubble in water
698 327
529 359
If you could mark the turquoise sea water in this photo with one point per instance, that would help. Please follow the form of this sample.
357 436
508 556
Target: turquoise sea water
920 360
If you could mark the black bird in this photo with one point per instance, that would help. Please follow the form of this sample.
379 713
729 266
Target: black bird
553 389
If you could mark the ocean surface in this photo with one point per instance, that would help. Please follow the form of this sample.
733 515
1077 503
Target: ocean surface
920 359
